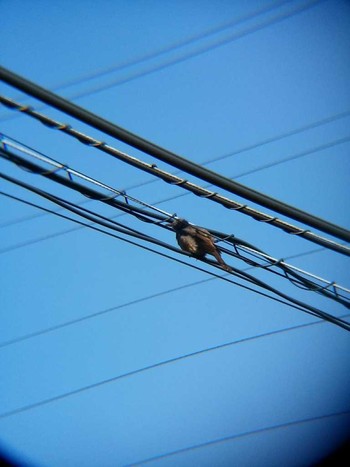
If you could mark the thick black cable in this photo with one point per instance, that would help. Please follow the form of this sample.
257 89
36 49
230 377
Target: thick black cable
308 285
259 168
241 274
140 213
169 157
91 226
126 208
294 277
173 179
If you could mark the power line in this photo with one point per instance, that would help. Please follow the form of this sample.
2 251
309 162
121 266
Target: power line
245 434
330 289
169 157
116 307
143 215
11 142
295 275
224 156
187 55
174 180
147 368
239 273
288 270
171 48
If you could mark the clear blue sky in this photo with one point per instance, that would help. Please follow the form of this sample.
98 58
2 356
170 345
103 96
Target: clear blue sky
276 399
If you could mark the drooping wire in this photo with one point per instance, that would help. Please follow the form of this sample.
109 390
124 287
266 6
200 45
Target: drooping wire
143 215
151 367
174 180
250 147
114 308
165 216
241 274
167 156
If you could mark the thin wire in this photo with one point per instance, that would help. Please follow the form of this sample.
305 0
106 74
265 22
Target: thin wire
12 143
147 368
301 308
116 307
142 215
168 156
239 436
295 131
127 208
234 271
166 50
191 54
174 180
63 232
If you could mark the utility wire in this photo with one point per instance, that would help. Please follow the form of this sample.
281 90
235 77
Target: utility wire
169 157
56 327
66 231
241 274
166 50
147 368
174 180
244 434
143 215
229 239
11 142
114 308
296 278
224 156
187 55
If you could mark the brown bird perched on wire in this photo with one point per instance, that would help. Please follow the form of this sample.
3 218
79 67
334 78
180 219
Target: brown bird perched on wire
197 241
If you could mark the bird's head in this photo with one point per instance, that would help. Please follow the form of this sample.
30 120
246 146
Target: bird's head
179 224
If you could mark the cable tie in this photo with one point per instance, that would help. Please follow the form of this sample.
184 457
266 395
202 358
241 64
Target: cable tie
179 183
108 198
25 108
154 166
209 195
167 219
85 139
268 219
62 126
52 171
299 232
330 284
239 207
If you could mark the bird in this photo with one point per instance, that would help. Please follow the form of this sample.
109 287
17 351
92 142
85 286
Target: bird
197 241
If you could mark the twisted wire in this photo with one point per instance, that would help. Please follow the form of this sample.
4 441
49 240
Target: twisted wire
174 180
144 216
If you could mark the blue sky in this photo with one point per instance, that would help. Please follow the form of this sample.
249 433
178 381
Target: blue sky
203 84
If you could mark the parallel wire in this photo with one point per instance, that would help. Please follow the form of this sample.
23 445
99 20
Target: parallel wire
189 55
116 307
222 238
247 148
234 271
288 270
170 157
174 180
147 368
